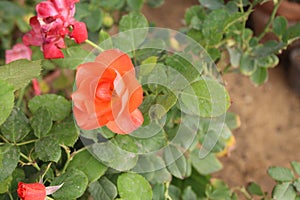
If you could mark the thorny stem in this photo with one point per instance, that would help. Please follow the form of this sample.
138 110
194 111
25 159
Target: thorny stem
94 45
30 161
270 21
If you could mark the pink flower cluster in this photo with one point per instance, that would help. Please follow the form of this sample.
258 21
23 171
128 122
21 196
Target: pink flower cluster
54 21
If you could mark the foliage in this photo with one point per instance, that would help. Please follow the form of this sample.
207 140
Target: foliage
187 126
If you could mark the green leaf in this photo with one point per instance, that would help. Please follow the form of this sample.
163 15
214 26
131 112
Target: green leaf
297 184
87 163
134 187
158 192
135 5
255 189
18 73
268 48
235 56
189 194
260 76
152 167
9 158
155 3
280 26
133 29
93 20
103 189
65 132
247 65
41 122
293 32
296 166
175 161
206 98
207 165
284 191
232 120
113 156
58 106
132 21
212 4
5 184
74 182
48 149
73 56
183 66
6 100
16 127
194 12
174 192
112 4
281 173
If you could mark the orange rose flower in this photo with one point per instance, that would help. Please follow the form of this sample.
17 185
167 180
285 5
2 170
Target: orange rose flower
108 94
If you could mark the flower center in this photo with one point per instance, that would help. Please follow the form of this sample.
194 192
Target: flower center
104 90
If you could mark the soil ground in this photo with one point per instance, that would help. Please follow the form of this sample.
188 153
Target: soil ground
269 134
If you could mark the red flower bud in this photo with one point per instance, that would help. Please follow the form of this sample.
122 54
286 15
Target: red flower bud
31 191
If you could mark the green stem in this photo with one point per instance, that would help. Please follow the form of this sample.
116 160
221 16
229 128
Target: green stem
26 142
30 161
94 45
5 140
270 21
167 196
22 92
67 150
46 170
10 196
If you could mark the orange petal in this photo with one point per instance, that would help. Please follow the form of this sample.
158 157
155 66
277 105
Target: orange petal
116 59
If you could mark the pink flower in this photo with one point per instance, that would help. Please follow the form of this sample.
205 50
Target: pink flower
19 51
54 21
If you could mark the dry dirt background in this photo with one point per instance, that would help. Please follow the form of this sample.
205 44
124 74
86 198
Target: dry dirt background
269 134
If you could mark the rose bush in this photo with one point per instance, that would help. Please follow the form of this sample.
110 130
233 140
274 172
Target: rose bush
139 115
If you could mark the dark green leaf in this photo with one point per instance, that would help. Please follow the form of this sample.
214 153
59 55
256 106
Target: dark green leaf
281 174
41 122
103 189
112 4
260 76
74 182
132 21
87 163
65 132
58 106
293 32
158 192
189 194
247 65
175 161
280 26
206 98
268 48
9 158
192 13
16 127
255 189
18 73
48 149
6 100
284 191
174 192
207 165
134 187
93 20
